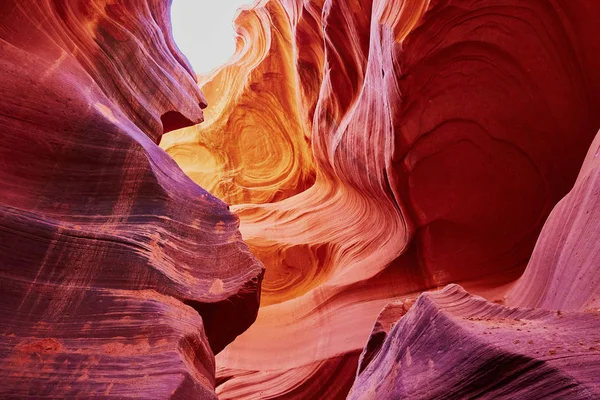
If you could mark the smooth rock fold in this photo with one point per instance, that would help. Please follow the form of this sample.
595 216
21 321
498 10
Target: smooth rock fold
120 275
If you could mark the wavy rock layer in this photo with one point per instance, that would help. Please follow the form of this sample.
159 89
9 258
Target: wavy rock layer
119 274
562 275
375 149
453 345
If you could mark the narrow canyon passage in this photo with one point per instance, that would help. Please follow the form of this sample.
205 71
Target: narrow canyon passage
362 199
428 149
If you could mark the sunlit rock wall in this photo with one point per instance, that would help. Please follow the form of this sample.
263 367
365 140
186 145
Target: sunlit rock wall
376 149
119 275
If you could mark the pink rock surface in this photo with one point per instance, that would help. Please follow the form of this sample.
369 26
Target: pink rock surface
564 271
453 345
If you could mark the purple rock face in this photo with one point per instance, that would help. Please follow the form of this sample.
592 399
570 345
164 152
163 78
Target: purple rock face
119 275
453 345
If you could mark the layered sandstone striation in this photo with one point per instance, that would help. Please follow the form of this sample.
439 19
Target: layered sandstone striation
374 149
453 345
371 149
120 276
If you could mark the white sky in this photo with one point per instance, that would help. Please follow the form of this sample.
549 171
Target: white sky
203 31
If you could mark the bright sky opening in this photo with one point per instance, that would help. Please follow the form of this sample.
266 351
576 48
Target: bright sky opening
203 31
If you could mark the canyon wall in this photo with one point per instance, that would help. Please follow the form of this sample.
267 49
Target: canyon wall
374 149
370 150
120 276
563 271
454 345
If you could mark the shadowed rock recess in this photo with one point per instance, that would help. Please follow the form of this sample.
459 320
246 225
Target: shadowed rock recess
376 155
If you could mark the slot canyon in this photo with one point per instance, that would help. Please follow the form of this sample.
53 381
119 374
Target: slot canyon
371 199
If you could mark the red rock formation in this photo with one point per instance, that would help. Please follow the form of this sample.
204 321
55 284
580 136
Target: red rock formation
453 345
120 276
552 355
375 149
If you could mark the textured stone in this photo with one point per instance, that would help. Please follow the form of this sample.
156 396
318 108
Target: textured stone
120 276
453 345
376 149
563 273
373 150
553 355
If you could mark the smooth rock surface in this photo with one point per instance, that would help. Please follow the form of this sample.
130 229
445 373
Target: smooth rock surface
373 150
453 345
119 275
564 271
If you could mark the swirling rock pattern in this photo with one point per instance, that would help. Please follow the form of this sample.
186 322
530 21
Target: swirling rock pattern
453 345
120 276
561 357
374 149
